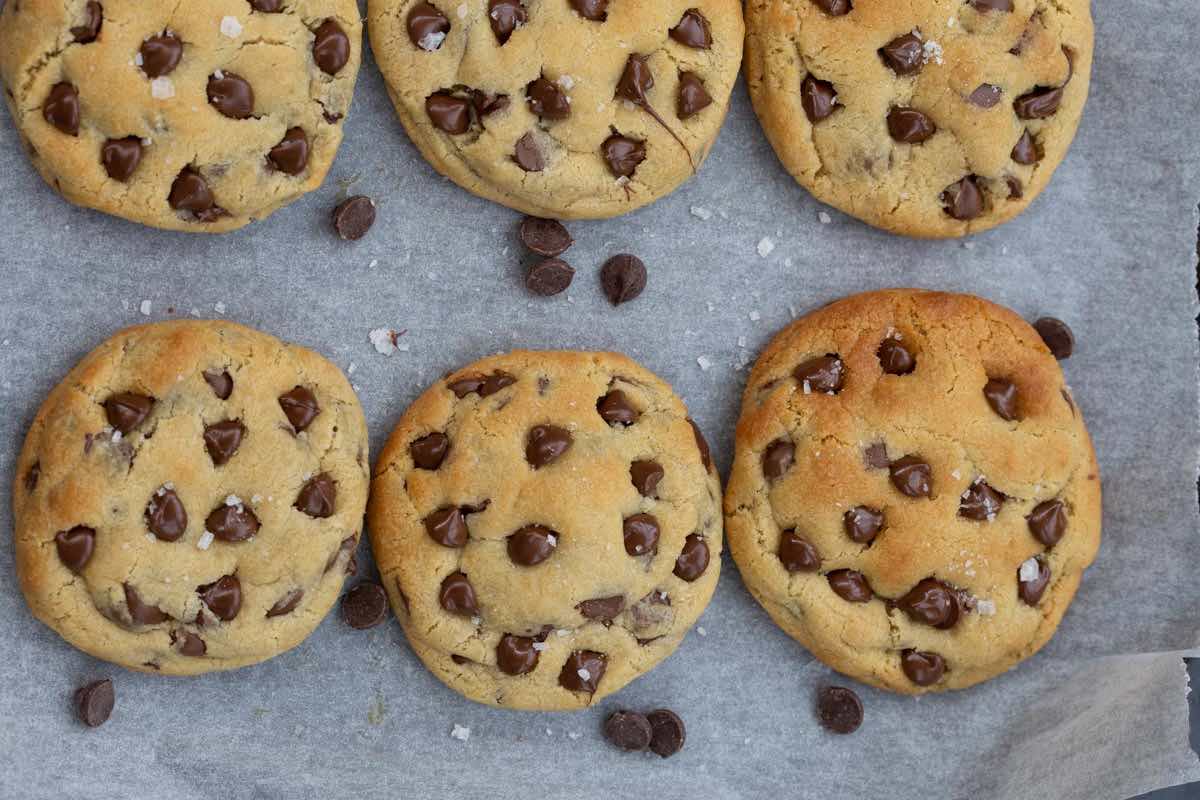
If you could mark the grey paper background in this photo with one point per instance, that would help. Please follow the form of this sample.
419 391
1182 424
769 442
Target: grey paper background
1110 247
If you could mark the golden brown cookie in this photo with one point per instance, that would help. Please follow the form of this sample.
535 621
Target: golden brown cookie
547 526
914 496
189 497
931 118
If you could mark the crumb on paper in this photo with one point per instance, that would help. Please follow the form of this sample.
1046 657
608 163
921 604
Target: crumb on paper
387 340
230 27
765 246
573 735
700 212
460 732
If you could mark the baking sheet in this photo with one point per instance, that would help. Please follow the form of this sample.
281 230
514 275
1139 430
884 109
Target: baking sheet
1109 247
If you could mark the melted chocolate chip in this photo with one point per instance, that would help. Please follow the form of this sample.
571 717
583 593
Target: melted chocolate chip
693 559
318 496
895 358
223 597
528 155
300 407
94 702
797 554
232 95
331 47
824 374
549 277
267 6
35 472
646 476
1025 151
850 585
515 655
992 5
1031 590
121 157
623 278
963 200
546 444
222 440
693 30
583 671
365 606
290 156
353 217
602 609
778 458
448 527
546 99
235 523
595 10
641 535
1047 522
161 54
486 104
457 596
616 409
141 613
875 456
1057 336
912 476
427 26
1040 103
1001 395
506 16
910 126
449 113
286 604
980 502
835 8
701 445
862 524
985 95
126 410
532 544
188 644
61 108
635 81
93 19
165 515
483 385
667 732
923 669
628 730
429 451
839 710
691 97
818 98
546 237
75 547
623 155
905 55
191 192
933 603
347 546
1015 190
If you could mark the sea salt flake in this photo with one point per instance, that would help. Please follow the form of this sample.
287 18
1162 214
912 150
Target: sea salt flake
562 632
765 246
431 41
583 674
566 82
116 436
162 88
985 607
931 51
204 541
824 217
701 212
256 499
705 363
230 27
460 732
553 540
219 308
233 500
540 646
700 630
755 316
1029 571
807 387
145 308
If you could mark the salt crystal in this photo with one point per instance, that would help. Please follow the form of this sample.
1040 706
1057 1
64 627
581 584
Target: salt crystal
566 82
233 500
384 340
824 217
755 316
700 630
219 308
1029 571
552 539
162 89
116 436
256 499
476 620
540 646
562 632
230 27
431 41
461 732
145 308
985 607
350 369
701 212
807 387
765 246
137 58
218 74
583 674
931 51
204 541
705 363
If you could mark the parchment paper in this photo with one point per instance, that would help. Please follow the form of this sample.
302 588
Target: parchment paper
1109 247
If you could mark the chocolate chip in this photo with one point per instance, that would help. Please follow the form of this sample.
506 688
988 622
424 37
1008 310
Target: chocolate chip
458 596
895 358
628 730
126 410
222 440
449 113
583 671
300 407
318 496
546 444
223 597
93 18
636 79
121 157
839 709
231 94
94 703
963 200
286 604
701 445
531 545
364 606
923 669
427 26
290 156
818 98
235 523
1047 522
912 476
1042 102
641 535
165 515
546 99
516 655
267 6
549 277
909 126
980 502
448 527
61 108
546 237
429 451
985 95
1057 336
528 155
905 55
992 5
932 603
1031 590
595 10
75 547
691 97
692 30
825 374
188 643
331 47
483 385
778 458
850 585
1025 151
668 732
141 613
486 104
602 609
161 54
623 155
35 472
506 16
835 8
1015 189
693 559
347 546
875 456
1001 395
623 278
862 524
797 554
616 409
190 192
353 217
645 476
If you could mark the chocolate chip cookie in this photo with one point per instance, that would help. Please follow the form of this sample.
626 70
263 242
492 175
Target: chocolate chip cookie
547 526
932 118
189 497
914 496
188 116
561 108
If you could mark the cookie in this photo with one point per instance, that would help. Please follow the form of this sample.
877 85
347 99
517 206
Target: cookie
189 498
193 116
547 527
914 496
561 108
932 118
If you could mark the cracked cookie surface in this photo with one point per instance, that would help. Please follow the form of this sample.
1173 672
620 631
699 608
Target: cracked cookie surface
547 527
930 118
914 496
189 498
561 108
196 117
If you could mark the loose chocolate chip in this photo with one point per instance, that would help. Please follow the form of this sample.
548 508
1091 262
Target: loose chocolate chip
1047 522
231 94
824 374
850 585
963 200
595 10
985 95
912 476
427 27
235 523
602 609
546 237
980 502
623 155
188 643
286 604
364 606
1057 336
641 535
839 709
546 99
875 456
1031 589
165 515
583 671
546 444
429 451
1025 150
318 496
797 554
190 192
778 458
693 559
1042 102
121 157
645 476
528 155
35 472
668 732
331 47
141 613
701 445
818 98
895 358
458 596
161 54
449 113
862 524
61 108
516 655
222 440
635 80
506 16
223 597
448 527
616 409
300 407
94 703
126 410
692 30
549 277
992 5
290 156
933 603
905 55
1015 190
1001 395
923 669
691 97
93 18
483 385
909 126
353 217
531 545
75 547
835 8
628 730
623 278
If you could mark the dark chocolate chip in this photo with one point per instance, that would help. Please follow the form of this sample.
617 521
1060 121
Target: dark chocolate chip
623 278
668 732
347 546
835 8
894 357
818 98
932 603
429 451
628 730
231 94
448 527
635 81
531 545
691 97
121 157
126 410
1015 190
191 192
797 554
31 477
912 476
875 456
290 156
905 55
448 112
602 609
701 445
161 54
963 200
188 643
528 155
300 407
94 703
141 613
483 385
595 10
485 103
506 16
778 458
331 47
232 523
1031 590
1002 396
980 502
850 585
365 606
546 99
693 30
1057 336
645 476
222 440
923 669
825 374
1040 103
623 155
61 108
549 277
616 409
75 547
546 237
223 597
546 444
839 709
353 217
985 95
1047 522
93 19
318 496
862 524
641 535
267 6
427 26
516 655
458 596
910 126
286 604
583 671
1025 151
165 515
693 559
992 5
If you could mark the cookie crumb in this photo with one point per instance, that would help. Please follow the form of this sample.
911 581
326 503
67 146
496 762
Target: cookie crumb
384 341
460 732
765 246
230 27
